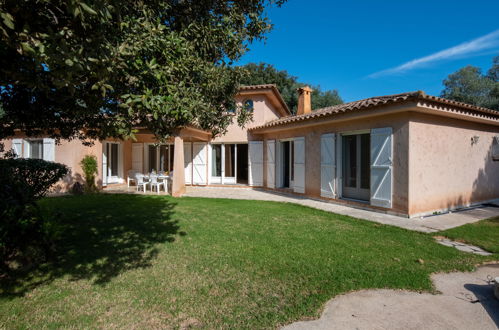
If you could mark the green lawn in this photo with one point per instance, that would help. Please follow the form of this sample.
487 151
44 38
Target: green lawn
484 234
153 261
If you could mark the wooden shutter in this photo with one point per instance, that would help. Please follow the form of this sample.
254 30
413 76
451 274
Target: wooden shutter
199 163
49 149
188 162
255 163
271 163
381 167
299 165
17 147
328 165
138 157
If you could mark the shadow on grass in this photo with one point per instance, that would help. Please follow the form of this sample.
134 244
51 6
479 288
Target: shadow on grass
101 236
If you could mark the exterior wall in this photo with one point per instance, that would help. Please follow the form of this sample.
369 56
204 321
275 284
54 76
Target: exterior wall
398 122
263 112
70 153
447 170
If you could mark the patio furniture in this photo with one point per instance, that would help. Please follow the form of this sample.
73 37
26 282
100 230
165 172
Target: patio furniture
131 177
140 182
153 181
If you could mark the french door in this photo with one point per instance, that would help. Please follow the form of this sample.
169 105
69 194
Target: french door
111 162
356 166
227 164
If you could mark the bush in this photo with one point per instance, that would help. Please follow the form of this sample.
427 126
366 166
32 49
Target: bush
90 168
23 231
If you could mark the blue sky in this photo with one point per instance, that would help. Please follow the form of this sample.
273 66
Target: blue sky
365 48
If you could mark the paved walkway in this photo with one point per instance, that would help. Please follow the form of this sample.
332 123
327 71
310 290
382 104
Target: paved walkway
462 246
466 302
429 224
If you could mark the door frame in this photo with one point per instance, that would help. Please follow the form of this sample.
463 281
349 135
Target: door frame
112 179
339 162
279 163
222 179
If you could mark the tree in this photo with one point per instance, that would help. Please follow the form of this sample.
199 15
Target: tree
262 73
96 69
493 72
470 86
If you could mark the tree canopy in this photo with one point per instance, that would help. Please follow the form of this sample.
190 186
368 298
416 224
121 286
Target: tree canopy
470 86
95 69
287 84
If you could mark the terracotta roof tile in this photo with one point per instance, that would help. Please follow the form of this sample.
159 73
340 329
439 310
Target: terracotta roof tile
370 103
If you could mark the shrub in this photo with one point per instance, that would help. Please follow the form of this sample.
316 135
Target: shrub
23 231
90 168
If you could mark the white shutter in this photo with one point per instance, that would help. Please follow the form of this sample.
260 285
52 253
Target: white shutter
278 162
381 167
49 149
137 157
17 147
199 163
255 163
104 163
299 165
328 165
271 163
188 162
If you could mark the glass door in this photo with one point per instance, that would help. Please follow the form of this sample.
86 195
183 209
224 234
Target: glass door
112 165
216 163
356 166
224 163
229 172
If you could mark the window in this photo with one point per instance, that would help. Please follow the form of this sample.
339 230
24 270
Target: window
248 105
216 160
35 149
495 148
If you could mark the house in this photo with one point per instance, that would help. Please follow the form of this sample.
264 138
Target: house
409 154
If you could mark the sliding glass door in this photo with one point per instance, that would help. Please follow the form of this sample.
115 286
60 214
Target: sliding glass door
224 163
356 166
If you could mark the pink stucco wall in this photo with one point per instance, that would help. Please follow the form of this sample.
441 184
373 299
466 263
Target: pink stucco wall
398 122
447 170
263 112
70 153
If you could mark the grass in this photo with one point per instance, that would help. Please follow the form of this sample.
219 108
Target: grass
135 261
484 234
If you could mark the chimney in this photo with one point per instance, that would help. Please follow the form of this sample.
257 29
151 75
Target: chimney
304 102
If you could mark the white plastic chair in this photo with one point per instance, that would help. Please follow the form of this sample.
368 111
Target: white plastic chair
153 181
139 179
131 177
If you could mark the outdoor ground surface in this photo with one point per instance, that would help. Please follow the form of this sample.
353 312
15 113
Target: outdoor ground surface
154 261
484 234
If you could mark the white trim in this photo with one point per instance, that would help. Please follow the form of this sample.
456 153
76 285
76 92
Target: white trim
106 178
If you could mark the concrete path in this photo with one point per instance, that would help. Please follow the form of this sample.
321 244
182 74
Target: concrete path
466 302
428 224
462 246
